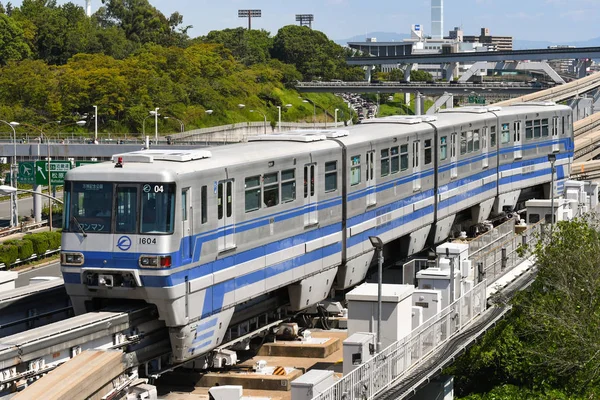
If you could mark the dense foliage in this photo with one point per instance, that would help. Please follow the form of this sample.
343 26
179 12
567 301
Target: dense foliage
128 58
548 346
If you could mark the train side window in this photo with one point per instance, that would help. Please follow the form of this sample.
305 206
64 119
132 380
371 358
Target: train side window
127 201
505 134
453 145
476 140
545 131
528 130
395 160
271 189
493 136
385 162
184 211
568 124
463 143
563 126
312 180
404 157
428 151
203 206
443 148
469 142
537 129
354 170
252 193
330 176
288 185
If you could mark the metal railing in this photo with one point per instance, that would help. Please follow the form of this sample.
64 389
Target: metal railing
504 256
395 361
487 239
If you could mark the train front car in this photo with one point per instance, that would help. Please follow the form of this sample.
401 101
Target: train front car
122 236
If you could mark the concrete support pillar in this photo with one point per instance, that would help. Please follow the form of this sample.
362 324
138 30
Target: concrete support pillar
407 99
419 104
37 203
367 74
582 66
409 67
582 107
446 99
451 70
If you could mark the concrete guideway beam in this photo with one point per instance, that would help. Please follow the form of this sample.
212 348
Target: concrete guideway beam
512 65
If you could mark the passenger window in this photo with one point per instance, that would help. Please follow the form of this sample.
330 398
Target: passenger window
545 131
330 176
534 218
184 213
428 151
493 136
528 130
126 209
220 202
395 160
252 195
469 142
404 157
385 162
204 205
271 189
443 148
476 140
288 185
505 134
537 129
463 143
354 170
564 131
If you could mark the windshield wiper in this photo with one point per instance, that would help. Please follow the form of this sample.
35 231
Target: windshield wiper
78 226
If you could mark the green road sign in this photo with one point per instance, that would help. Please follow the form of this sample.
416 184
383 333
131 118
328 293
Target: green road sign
26 174
84 162
58 170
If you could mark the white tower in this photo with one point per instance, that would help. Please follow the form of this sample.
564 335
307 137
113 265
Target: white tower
437 19
88 8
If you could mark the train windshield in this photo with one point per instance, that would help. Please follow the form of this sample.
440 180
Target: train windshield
89 205
102 207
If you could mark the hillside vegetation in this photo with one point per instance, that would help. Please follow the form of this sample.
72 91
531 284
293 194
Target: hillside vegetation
128 58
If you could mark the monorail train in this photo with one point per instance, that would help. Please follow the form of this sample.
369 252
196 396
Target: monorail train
199 233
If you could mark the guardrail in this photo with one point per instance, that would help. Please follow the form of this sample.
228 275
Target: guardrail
32 258
487 239
502 258
23 228
395 361
453 84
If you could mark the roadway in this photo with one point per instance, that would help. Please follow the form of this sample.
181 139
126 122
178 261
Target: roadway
25 208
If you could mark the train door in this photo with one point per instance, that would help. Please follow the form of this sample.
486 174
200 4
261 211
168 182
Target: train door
555 144
311 216
518 152
370 175
416 155
186 223
484 146
225 215
453 159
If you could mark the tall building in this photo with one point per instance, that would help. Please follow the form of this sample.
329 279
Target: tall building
437 19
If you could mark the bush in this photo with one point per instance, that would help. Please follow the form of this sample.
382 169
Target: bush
8 254
53 240
39 241
25 248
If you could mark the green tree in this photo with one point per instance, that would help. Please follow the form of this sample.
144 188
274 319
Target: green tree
420 76
143 23
313 54
550 340
247 46
12 42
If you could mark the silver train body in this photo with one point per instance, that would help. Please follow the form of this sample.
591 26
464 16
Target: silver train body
292 211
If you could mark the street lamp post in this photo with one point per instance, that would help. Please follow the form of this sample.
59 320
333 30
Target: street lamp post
156 125
335 112
265 123
9 189
378 246
14 218
95 124
279 112
552 159
314 111
181 126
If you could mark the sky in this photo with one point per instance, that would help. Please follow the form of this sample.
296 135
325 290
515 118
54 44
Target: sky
547 20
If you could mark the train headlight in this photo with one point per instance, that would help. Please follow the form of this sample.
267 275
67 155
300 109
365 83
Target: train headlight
155 262
71 258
